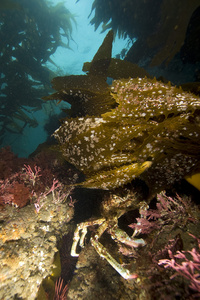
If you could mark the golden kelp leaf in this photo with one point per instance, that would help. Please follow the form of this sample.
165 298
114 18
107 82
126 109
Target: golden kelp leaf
194 180
95 84
113 178
121 69
153 122
86 94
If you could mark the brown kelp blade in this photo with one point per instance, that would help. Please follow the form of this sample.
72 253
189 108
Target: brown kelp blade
102 59
121 69
87 94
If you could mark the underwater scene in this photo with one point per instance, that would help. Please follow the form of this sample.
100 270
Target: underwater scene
100 149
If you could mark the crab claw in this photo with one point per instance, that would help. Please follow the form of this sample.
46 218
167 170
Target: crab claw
102 251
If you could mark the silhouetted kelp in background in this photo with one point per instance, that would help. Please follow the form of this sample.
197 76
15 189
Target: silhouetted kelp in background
163 29
30 32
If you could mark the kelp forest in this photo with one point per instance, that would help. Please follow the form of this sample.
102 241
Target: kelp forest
108 206
30 32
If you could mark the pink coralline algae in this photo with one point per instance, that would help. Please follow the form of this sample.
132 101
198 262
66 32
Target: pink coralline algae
186 264
24 186
33 181
14 193
60 290
169 211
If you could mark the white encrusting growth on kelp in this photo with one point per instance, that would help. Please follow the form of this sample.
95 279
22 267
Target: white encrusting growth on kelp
153 132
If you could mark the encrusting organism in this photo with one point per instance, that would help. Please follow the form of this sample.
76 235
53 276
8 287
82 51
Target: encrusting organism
154 130
135 127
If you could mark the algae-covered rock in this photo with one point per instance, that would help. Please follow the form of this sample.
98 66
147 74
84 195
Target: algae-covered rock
153 132
28 243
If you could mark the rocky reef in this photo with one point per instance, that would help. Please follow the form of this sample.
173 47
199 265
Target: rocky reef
28 244
35 211
170 228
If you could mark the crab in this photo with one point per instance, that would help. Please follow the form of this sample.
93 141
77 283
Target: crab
112 209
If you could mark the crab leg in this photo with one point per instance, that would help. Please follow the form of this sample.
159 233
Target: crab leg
101 250
83 228
76 238
121 236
